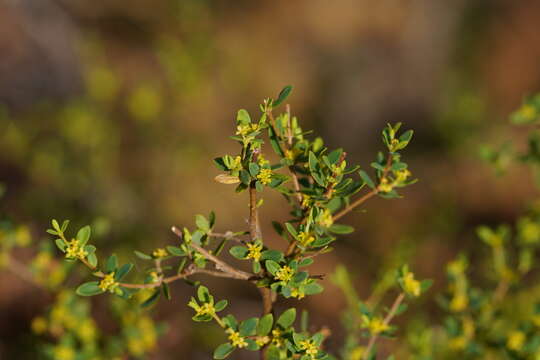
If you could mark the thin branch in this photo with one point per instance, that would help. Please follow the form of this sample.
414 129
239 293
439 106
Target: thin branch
391 313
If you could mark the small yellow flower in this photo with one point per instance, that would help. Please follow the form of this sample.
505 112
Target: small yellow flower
154 277
375 325
326 219
276 338
245 129
357 353
237 340
459 302
159 253
284 274
261 160
62 352
402 175
305 239
75 251
254 251
206 309
309 347
39 325
385 185
265 176
411 285
515 341
262 340
306 201
298 294
108 283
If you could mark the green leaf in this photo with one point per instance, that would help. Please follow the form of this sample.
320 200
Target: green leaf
313 163
239 252
152 299
283 94
287 318
313 288
272 266
122 271
253 169
176 251
142 256
203 294
366 179
223 350
220 305
248 327
265 325
244 177
92 260
83 235
111 264
55 225
291 229
242 117
275 255
166 291
305 262
89 289
341 229
202 223
60 244
51 231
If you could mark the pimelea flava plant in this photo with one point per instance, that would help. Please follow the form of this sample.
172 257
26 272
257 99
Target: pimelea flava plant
320 188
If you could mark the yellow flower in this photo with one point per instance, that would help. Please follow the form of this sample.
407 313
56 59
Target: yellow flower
515 341
459 302
237 340
62 352
254 251
357 353
375 325
527 111
262 340
305 238
309 347
154 276
108 283
326 218
39 325
306 201
298 294
402 175
284 274
206 309
245 129
385 186
265 176
159 253
75 251
276 338
261 160
411 285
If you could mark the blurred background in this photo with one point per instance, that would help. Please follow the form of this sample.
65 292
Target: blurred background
111 113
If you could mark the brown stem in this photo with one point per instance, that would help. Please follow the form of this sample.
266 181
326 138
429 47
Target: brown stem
386 321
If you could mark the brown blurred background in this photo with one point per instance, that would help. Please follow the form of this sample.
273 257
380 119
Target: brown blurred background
111 113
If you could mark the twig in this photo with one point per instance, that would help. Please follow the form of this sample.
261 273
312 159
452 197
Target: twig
386 321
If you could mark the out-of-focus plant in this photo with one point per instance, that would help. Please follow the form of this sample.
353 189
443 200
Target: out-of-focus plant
67 330
323 189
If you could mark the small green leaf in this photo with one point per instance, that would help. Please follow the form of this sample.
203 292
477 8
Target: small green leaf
313 288
253 169
265 325
220 305
166 291
60 244
243 117
152 299
55 225
89 289
122 271
239 252
287 318
275 255
341 229
223 350
202 223
83 235
272 266
203 294
176 251
283 94
366 179
248 327
142 256
291 229
111 264
92 260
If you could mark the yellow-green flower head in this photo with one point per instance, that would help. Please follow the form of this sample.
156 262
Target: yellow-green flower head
527 112
236 340
402 175
326 219
276 338
74 250
108 283
245 129
306 201
305 239
206 309
309 347
261 160
262 340
298 293
63 352
159 253
154 276
411 285
459 302
357 353
265 176
515 340
529 231
236 164
254 251
385 185
284 274
375 325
